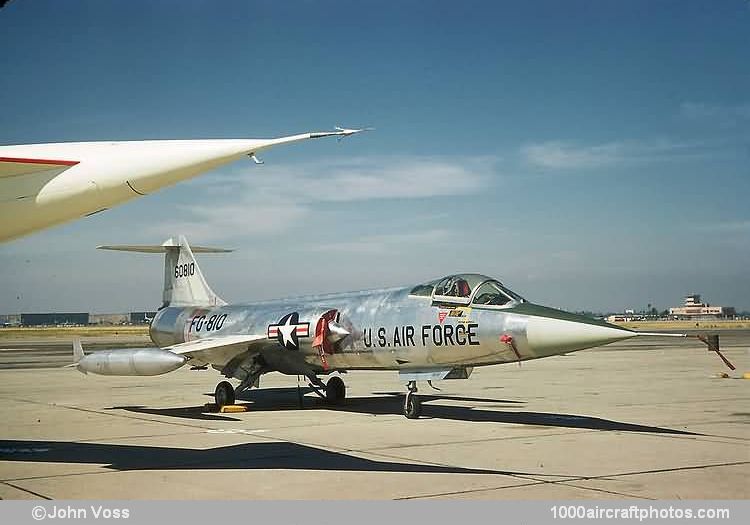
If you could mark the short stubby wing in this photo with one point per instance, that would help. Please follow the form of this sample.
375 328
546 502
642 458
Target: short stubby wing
217 351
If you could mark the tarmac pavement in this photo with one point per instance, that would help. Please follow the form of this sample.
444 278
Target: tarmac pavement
637 419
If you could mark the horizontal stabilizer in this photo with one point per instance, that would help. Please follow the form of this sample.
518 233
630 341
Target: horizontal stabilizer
184 284
158 248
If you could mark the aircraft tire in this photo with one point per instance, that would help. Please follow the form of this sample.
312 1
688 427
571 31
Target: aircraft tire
412 406
335 391
224 394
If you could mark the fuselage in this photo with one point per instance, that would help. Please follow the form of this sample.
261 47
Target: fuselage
393 329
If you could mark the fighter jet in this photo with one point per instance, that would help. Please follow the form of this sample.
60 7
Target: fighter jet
46 184
434 331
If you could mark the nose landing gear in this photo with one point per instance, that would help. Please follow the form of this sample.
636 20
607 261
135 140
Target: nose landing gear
412 404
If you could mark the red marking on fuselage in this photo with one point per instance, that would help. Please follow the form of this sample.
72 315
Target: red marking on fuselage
300 330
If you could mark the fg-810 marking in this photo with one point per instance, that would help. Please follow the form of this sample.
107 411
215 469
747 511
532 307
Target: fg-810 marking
200 322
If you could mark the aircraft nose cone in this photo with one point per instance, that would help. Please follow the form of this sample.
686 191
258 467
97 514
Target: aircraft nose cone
549 336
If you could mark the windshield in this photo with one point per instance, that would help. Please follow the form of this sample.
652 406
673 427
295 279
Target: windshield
491 293
423 290
460 288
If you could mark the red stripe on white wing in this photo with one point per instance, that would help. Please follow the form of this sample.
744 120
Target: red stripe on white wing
39 161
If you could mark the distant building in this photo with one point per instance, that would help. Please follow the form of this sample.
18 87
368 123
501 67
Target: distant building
76 319
627 317
109 319
55 319
693 308
10 320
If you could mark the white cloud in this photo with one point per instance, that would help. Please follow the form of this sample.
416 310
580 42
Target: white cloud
702 111
727 227
387 243
224 220
366 178
566 155
563 155
266 200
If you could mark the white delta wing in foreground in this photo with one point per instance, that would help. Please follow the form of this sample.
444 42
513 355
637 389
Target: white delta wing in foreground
42 185
433 331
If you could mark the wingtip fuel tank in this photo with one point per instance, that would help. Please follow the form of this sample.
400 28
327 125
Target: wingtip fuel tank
130 362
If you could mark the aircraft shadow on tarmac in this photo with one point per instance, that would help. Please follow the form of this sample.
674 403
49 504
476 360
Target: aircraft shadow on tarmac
197 412
391 403
276 455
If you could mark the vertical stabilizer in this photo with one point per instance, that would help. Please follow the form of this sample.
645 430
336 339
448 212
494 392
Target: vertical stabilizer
77 350
184 284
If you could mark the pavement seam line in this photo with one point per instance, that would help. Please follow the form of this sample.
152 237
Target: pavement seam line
26 490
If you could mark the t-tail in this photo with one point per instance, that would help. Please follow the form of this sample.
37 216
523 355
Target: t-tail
184 284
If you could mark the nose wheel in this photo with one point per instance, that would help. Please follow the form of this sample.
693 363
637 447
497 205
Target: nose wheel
224 394
412 404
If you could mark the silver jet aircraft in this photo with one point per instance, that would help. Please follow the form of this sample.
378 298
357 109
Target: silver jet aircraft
438 330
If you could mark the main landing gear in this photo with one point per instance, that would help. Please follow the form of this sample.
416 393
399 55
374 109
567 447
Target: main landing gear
412 404
333 392
224 394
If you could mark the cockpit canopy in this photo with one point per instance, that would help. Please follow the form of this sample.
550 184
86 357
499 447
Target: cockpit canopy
467 288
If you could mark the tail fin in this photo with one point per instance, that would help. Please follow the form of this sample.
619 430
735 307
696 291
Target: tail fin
77 351
77 355
184 284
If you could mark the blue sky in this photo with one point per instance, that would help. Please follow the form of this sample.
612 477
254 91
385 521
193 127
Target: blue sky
592 155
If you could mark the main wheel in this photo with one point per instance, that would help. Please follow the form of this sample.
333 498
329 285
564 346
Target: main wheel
412 406
335 391
224 394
